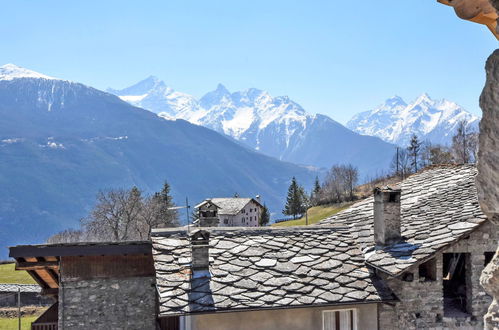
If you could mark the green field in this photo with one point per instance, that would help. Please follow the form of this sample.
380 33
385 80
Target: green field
8 274
12 323
315 214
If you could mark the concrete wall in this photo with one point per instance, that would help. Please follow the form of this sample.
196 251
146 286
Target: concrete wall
125 303
282 319
421 305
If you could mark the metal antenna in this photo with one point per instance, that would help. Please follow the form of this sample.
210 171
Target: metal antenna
187 213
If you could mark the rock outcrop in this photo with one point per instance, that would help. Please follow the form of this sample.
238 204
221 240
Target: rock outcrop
488 177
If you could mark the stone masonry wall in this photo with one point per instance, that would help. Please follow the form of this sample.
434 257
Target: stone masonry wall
124 303
421 302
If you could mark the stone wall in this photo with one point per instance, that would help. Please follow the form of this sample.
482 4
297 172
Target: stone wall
124 303
422 305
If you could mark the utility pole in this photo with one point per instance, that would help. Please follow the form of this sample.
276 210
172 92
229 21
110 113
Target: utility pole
397 161
19 306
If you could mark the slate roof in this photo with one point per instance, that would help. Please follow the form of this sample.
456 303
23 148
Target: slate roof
230 206
258 268
438 207
24 288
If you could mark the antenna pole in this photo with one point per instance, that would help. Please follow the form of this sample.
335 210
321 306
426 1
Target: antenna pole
187 212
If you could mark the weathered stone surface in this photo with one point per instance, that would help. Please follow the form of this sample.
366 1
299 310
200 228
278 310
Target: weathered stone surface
438 207
488 174
108 304
277 267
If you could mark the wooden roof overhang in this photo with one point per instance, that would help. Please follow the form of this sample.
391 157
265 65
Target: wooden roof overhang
42 262
478 11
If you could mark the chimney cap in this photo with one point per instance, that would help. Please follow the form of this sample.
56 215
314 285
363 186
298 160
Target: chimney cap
200 237
378 190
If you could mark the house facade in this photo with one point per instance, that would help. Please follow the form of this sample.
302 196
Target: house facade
229 212
409 257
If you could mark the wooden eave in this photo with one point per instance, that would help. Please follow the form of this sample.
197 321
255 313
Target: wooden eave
478 11
42 262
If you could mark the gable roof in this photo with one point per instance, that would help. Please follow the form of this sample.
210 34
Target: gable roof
439 206
263 268
229 206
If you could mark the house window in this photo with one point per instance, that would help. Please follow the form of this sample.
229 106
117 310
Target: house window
428 271
344 319
226 221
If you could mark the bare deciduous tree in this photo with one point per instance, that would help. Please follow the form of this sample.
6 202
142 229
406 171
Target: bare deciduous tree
464 144
121 215
339 185
401 163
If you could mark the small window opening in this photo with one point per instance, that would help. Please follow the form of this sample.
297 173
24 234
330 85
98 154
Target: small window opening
456 276
345 319
488 257
408 277
392 198
428 271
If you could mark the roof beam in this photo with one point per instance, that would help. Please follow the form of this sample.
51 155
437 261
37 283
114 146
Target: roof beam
37 265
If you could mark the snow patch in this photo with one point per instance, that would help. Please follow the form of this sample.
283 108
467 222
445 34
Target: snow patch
12 71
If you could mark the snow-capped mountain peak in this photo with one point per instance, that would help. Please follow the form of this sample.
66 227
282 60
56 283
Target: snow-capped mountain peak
395 121
12 71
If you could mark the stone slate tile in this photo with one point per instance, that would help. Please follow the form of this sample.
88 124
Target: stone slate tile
438 207
264 267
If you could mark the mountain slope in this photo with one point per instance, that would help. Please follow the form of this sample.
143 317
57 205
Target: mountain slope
60 142
395 121
275 126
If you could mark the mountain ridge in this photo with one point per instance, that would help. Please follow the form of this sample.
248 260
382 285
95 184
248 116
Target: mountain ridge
395 121
276 126
62 142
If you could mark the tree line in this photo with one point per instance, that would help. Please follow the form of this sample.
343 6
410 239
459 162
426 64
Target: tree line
419 154
338 186
122 215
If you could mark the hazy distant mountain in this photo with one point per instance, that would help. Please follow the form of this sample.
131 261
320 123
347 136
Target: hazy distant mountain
276 126
395 121
60 142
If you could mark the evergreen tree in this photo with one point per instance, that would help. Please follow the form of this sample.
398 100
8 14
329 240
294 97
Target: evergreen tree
295 199
414 150
264 216
164 200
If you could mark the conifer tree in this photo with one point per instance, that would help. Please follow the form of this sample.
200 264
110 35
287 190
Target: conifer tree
264 216
295 199
414 149
164 202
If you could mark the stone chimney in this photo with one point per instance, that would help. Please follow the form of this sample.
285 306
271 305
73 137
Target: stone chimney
200 243
387 216
258 199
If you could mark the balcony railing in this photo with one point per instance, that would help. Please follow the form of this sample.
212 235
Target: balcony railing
44 326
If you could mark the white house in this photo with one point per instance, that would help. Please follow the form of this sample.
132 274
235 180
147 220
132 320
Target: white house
230 212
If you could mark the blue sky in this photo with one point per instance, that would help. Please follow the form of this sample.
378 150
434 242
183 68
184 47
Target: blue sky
332 57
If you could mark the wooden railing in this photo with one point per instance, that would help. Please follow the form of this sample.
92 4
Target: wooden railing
44 326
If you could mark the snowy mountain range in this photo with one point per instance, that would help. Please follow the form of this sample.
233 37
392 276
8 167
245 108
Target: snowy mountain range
395 121
275 126
61 142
